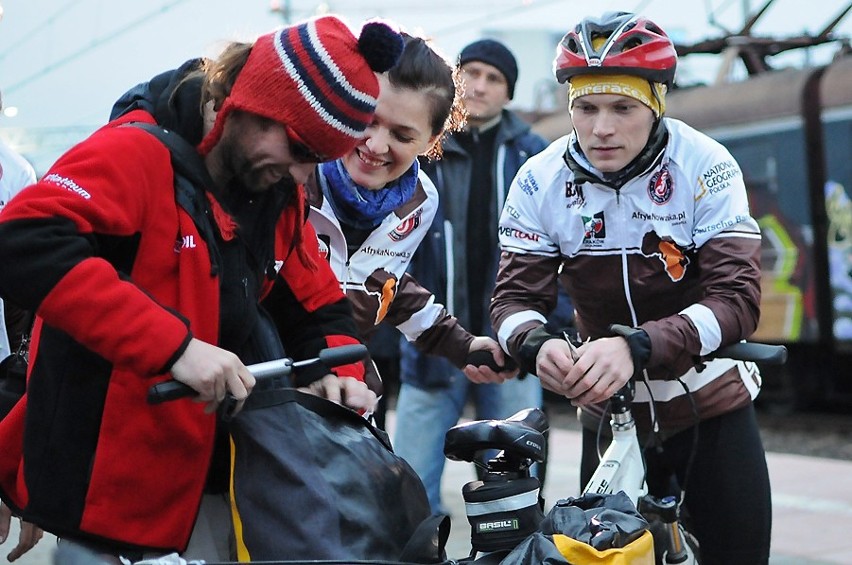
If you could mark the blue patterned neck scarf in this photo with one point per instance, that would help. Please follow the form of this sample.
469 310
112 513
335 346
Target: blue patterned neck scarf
361 207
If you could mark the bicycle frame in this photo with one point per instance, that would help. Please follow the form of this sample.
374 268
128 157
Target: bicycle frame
621 467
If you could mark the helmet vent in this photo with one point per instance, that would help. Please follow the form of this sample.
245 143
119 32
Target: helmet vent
631 43
572 46
652 27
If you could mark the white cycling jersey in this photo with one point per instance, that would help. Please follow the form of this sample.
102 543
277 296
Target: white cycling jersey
673 251
373 277
15 174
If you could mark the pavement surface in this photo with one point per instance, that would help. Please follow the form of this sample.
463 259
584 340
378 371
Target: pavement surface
811 497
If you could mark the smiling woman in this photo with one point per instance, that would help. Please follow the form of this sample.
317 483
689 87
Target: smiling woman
400 131
372 208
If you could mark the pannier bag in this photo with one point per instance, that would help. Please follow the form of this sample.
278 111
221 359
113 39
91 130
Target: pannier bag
314 480
593 529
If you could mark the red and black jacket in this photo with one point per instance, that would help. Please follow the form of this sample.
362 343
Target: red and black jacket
121 280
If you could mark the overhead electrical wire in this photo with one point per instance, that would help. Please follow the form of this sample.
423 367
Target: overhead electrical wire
92 45
34 31
528 5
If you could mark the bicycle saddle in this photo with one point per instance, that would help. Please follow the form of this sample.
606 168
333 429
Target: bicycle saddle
521 435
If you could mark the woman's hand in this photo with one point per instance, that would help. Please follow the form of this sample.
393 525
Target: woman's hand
213 372
346 391
483 373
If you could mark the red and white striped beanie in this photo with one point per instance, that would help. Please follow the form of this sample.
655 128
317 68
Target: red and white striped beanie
316 78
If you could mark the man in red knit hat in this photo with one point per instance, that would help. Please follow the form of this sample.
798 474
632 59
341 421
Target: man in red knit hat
145 264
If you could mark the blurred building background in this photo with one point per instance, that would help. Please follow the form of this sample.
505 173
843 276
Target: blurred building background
63 62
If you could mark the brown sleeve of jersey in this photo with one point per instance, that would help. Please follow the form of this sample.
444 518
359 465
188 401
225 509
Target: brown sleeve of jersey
730 279
445 337
524 282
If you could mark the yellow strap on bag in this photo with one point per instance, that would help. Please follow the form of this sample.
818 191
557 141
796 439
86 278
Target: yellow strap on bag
637 552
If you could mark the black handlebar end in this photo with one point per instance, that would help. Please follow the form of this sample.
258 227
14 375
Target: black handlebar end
484 357
343 354
169 390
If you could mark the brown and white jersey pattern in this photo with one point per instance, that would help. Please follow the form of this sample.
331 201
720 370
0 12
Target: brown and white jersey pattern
674 251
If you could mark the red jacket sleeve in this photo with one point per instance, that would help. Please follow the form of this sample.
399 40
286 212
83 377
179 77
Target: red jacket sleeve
64 243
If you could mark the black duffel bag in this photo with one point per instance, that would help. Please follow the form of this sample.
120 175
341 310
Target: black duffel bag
314 480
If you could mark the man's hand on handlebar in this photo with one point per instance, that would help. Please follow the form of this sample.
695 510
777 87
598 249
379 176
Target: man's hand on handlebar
603 366
485 374
346 391
213 372
29 536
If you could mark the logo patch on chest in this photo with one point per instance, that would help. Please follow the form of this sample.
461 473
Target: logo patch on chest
594 227
661 187
324 243
407 226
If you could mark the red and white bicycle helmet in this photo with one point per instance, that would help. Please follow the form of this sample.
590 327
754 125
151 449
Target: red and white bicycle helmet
632 45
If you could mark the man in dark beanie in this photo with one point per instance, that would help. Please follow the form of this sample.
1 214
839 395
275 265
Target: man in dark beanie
145 264
494 53
459 261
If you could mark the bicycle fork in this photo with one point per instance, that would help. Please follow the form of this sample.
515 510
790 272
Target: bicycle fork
667 509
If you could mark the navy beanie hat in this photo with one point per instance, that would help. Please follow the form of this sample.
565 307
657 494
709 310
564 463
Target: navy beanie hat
495 54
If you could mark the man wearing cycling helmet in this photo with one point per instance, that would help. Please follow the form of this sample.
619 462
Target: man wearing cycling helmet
627 212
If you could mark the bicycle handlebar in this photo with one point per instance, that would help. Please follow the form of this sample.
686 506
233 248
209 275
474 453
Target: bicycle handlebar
331 357
482 357
742 351
751 351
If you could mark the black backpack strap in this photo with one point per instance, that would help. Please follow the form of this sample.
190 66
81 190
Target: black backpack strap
185 158
266 397
191 178
428 542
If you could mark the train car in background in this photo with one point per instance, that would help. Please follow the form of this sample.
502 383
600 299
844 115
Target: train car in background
791 133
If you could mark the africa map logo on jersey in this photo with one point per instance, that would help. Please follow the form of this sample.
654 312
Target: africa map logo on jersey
594 226
660 186
382 285
407 226
673 257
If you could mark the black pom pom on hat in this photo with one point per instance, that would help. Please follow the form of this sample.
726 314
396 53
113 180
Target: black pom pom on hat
380 45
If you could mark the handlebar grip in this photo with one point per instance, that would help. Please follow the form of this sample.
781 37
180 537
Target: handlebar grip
343 355
750 351
332 357
482 357
169 390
